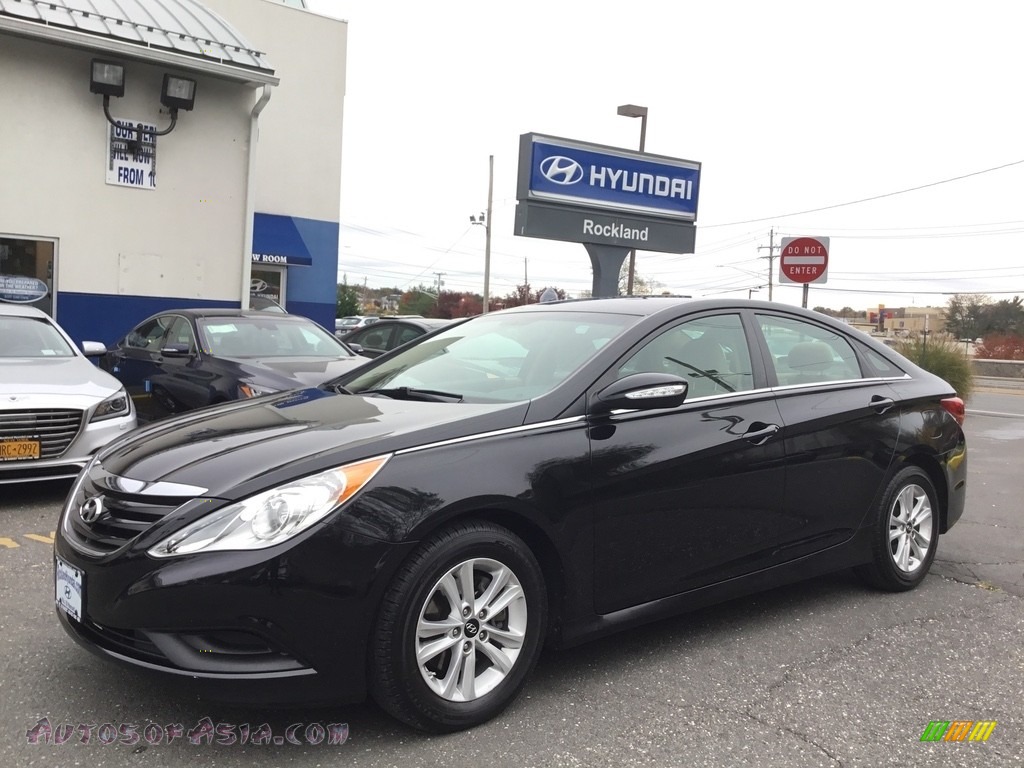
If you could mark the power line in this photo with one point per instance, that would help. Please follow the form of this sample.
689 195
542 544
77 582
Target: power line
868 199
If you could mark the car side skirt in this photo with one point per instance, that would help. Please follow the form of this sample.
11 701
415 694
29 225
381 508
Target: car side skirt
854 551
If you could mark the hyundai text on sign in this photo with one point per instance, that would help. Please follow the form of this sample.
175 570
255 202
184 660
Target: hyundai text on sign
804 260
561 170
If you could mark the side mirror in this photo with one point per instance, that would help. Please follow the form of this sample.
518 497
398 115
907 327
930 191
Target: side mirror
176 350
640 392
357 348
94 348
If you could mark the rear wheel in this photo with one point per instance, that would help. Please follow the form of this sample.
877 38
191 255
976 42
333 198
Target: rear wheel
459 629
906 533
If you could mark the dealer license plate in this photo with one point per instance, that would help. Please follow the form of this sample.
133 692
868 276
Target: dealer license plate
19 449
70 589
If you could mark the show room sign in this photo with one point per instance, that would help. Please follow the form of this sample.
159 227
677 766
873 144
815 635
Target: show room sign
131 162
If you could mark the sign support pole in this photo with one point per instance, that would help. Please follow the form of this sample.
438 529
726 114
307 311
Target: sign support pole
606 261
807 289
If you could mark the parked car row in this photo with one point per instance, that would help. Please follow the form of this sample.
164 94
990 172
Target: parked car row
383 335
180 360
56 408
419 527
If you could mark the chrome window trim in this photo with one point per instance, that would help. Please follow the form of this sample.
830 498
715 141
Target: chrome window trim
813 384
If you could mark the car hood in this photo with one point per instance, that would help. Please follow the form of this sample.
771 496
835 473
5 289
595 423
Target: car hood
49 377
298 371
240 448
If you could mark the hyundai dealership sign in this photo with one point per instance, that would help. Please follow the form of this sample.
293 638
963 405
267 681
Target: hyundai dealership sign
593 176
609 199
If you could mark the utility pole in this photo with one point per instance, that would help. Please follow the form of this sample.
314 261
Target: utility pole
440 282
771 256
487 232
484 220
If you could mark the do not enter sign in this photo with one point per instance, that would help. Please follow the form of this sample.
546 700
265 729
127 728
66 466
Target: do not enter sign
803 260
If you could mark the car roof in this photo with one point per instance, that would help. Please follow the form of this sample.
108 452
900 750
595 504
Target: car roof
202 312
21 310
431 322
630 305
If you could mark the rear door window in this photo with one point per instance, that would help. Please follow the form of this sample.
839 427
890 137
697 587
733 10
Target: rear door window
804 353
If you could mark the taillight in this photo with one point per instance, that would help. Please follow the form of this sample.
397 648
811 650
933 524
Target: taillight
955 407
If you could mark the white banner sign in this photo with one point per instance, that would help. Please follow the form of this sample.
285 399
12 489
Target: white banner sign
131 154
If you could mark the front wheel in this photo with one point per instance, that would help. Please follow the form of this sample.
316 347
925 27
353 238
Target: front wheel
906 533
459 629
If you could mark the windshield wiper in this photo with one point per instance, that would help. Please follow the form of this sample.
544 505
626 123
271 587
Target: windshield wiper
337 388
411 393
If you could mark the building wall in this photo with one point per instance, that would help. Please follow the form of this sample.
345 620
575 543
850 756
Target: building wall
114 241
124 253
298 170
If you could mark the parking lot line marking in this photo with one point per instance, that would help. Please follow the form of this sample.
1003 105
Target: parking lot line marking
38 537
9 543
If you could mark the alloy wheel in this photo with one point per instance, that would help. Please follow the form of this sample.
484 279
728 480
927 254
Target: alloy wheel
471 629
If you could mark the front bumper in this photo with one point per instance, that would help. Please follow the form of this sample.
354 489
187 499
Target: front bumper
90 438
283 626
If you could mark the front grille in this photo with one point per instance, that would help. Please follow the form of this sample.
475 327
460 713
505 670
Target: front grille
123 518
54 429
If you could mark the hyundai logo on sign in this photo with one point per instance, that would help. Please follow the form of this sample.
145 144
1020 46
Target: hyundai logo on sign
561 170
578 173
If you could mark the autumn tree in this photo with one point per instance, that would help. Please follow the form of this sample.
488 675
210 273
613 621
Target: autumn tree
965 315
347 301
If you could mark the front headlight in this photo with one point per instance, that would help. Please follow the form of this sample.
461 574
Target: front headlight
248 389
114 406
273 516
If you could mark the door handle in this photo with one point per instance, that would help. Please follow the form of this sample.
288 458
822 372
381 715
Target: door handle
761 436
882 404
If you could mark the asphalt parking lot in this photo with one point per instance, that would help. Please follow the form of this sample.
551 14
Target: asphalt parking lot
824 673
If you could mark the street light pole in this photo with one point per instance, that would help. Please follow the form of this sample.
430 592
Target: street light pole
632 110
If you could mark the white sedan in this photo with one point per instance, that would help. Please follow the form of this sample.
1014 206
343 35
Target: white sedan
56 408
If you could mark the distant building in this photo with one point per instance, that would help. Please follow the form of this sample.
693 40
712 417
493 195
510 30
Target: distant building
913 321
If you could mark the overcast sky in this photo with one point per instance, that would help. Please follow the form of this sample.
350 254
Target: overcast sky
789 106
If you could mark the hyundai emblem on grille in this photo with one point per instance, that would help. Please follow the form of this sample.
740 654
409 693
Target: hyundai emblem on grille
92 509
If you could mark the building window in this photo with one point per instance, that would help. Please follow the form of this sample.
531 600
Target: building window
26 272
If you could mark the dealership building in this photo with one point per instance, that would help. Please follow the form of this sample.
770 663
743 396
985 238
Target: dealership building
159 154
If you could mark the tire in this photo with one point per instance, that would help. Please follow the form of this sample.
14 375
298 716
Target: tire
466 668
906 533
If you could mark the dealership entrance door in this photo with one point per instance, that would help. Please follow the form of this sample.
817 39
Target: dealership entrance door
269 283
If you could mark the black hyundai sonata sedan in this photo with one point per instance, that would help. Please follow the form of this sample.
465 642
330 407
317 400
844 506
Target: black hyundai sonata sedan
419 528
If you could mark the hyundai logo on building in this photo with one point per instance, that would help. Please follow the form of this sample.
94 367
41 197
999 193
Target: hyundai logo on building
581 174
561 170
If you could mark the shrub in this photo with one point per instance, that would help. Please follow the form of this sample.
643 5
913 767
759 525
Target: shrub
945 359
1001 346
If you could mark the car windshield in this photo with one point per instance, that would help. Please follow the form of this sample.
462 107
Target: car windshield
499 357
265 337
31 337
